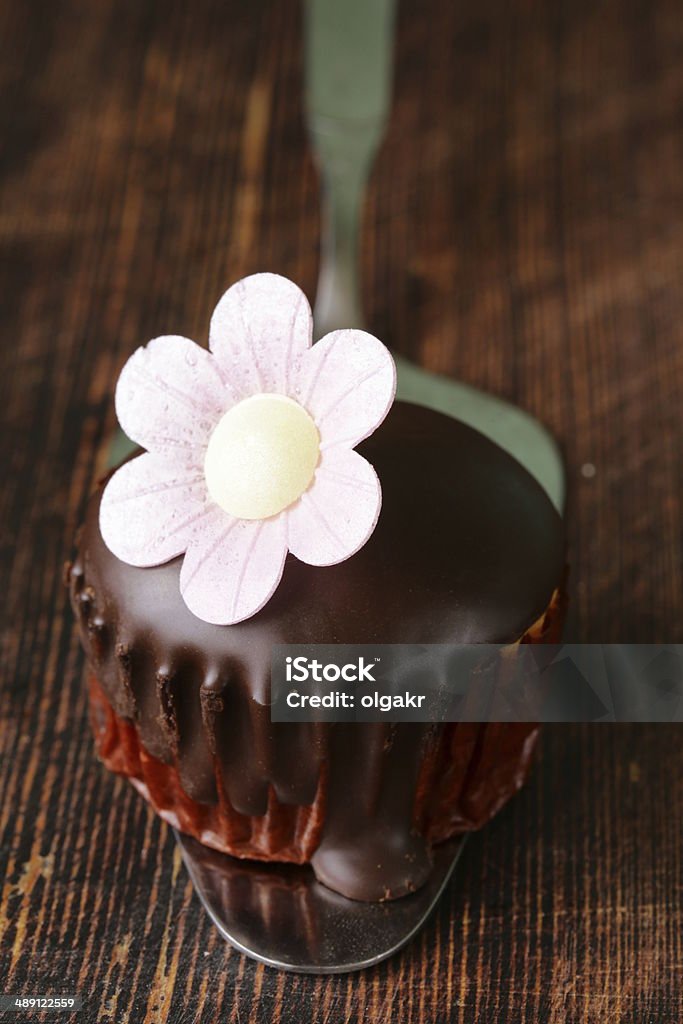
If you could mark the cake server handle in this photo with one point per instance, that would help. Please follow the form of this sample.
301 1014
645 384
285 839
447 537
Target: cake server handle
349 48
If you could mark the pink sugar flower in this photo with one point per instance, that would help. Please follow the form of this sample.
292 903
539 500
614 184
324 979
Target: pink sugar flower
249 449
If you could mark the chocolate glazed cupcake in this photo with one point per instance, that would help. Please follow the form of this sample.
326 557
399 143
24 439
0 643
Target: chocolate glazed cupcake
467 549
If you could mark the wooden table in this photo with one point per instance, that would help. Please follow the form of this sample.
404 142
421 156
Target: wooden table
524 232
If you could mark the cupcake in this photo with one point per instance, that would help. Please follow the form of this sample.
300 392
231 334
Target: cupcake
285 498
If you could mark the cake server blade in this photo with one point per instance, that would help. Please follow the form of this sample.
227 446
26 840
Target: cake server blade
282 916
349 55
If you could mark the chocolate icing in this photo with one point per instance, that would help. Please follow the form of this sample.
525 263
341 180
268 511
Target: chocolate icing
468 548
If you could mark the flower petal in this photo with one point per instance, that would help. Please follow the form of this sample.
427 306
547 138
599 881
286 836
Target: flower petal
339 511
259 331
347 384
151 508
230 572
170 395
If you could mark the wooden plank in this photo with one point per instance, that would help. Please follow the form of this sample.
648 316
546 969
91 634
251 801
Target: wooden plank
522 233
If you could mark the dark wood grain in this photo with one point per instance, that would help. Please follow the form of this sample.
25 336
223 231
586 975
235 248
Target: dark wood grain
524 232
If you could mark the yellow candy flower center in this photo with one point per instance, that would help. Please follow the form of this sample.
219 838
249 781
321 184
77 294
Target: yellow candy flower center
261 456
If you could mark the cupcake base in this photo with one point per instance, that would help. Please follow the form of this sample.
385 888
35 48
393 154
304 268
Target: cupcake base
463 774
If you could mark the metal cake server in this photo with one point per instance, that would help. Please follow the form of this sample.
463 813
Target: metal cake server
279 914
